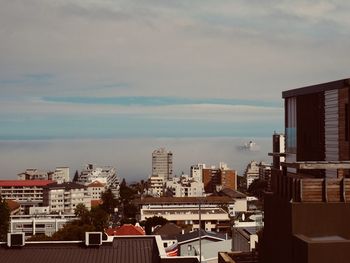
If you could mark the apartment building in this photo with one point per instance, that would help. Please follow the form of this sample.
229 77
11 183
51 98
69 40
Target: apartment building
105 174
215 179
251 173
185 210
197 172
162 164
184 186
43 224
63 198
95 190
155 186
308 212
28 193
60 175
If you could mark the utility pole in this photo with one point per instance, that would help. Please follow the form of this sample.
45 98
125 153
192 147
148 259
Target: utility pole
199 230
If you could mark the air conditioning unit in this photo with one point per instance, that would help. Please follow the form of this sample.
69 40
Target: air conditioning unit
93 238
15 239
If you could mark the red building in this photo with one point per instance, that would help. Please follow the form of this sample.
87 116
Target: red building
215 179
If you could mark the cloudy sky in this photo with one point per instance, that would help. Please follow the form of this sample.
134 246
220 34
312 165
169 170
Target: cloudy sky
126 69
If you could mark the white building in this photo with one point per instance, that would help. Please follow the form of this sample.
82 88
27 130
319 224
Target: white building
155 186
197 172
162 164
43 224
185 210
60 175
185 186
63 198
28 193
95 190
105 175
33 174
251 173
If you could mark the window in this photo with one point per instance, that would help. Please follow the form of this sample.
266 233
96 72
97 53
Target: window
346 122
291 127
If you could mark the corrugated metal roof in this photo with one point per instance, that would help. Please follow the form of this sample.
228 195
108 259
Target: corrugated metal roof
123 250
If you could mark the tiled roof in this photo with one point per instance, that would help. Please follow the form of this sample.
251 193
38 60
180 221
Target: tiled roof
96 184
232 193
126 250
96 202
126 230
22 183
168 230
13 205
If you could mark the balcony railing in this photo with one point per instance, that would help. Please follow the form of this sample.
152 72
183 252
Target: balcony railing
304 188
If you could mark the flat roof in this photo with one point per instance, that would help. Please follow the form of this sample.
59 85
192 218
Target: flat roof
338 84
185 200
24 182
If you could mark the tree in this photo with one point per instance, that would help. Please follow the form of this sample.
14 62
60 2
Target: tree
99 218
73 231
4 219
83 213
257 188
76 176
109 202
152 222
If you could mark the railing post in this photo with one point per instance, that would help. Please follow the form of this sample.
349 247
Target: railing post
324 192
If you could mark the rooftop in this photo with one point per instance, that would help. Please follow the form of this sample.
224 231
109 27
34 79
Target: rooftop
185 200
126 230
23 183
316 88
121 249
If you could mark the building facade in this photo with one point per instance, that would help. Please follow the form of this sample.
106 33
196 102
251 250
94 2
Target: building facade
309 203
185 210
28 193
215 179
64 198
162 164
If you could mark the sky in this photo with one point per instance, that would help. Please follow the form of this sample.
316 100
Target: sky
86 70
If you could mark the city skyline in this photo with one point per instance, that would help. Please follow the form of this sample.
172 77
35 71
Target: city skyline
79 77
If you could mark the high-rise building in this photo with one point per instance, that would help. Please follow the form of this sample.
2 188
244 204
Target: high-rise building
162 164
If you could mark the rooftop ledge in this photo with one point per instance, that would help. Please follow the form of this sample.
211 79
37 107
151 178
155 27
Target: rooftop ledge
310 165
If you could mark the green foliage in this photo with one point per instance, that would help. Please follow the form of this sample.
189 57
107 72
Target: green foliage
257 188
94 220
83 213
4 219
109 202
152 222
99 218
73 231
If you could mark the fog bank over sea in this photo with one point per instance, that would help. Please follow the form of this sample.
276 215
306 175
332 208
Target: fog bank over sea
131 157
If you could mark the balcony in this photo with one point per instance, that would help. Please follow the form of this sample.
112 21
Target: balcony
300 187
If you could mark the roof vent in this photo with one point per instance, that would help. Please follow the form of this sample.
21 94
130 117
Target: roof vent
15 239
93 238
